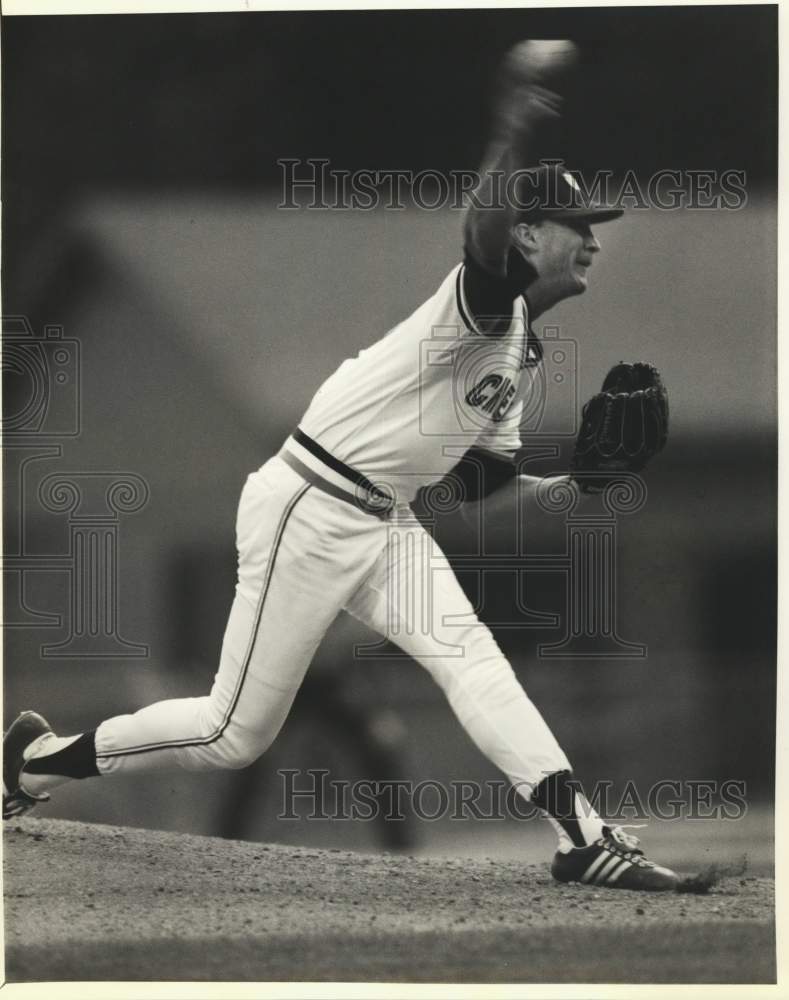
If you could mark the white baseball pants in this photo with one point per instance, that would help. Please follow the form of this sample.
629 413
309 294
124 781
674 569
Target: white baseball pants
303 555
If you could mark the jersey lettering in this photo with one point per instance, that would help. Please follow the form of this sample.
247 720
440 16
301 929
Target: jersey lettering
496 402
477 396
504 405
409 379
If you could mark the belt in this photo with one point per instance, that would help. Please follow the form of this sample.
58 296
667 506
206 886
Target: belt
319 467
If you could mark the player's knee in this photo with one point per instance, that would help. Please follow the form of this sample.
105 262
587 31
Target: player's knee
239 758
246 735
234 754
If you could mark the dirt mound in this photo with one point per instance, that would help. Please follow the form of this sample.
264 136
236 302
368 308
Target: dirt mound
86 902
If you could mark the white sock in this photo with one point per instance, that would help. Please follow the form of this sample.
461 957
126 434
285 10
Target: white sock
565 844
590 823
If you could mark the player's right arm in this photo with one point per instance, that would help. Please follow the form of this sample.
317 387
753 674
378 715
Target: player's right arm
528 104
495 275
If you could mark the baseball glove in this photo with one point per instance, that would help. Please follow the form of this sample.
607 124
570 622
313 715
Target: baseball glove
622 427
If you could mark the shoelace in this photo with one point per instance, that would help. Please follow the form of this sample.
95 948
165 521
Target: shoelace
626 840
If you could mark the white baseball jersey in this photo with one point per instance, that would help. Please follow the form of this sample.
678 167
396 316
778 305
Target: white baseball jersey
391 415
404 410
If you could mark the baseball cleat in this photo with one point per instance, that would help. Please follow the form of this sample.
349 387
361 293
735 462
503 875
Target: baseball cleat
615 861
27 729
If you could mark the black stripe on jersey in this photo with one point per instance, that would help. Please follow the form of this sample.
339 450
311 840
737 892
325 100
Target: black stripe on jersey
459 299
533 354
334 463
213 737
490 323
489 298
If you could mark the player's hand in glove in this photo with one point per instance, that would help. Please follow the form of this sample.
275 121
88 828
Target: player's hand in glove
622 427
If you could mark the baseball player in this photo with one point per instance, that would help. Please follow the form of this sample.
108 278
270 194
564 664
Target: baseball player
326 525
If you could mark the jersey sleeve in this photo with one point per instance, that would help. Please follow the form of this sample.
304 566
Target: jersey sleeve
503 440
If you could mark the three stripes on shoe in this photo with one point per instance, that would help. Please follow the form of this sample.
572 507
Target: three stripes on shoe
606 868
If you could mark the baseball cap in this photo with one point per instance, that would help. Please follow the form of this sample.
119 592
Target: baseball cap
550 191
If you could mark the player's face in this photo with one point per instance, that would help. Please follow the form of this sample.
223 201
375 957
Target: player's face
564 253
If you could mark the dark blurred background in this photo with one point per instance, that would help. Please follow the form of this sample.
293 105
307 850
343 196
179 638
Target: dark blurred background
140 192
